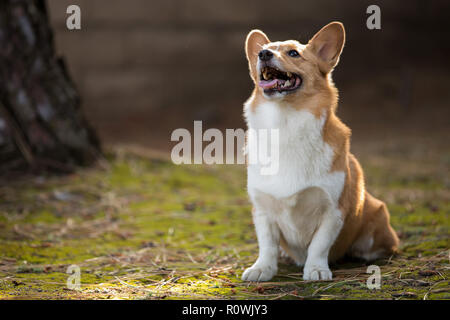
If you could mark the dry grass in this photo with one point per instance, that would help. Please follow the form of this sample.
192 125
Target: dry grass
142 228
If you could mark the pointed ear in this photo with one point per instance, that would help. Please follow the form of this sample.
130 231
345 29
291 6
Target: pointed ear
327 45
253 45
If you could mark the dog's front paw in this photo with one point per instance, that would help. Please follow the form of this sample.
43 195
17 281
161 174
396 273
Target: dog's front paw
259 273
317 272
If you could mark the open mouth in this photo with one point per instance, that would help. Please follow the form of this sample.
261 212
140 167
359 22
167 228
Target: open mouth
273 80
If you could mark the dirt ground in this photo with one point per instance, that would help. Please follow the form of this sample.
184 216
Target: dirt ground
139 227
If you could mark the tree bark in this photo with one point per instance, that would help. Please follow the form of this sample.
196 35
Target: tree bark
41 123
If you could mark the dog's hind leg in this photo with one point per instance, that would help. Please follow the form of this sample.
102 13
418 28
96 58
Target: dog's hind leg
377 238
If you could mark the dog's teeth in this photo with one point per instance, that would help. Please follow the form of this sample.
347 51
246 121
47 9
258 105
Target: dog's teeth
289 74
287 83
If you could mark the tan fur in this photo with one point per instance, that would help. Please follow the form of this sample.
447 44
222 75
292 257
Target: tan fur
363 215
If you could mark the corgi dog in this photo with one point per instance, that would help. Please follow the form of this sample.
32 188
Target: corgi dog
315 208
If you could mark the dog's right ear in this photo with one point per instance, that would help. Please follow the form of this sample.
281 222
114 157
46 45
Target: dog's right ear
253 45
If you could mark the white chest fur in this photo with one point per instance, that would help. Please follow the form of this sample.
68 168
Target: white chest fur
305 159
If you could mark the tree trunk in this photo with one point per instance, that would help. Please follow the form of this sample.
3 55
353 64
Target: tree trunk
41 124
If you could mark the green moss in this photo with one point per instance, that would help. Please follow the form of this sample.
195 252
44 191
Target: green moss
145 229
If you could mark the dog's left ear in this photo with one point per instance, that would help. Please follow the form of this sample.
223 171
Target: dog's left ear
253 45
327 45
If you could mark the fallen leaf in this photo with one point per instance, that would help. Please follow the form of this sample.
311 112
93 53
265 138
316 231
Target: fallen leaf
427 273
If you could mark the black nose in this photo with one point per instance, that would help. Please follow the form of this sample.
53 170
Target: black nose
265 55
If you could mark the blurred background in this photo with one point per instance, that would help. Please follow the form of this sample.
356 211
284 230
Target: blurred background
144 68
141 69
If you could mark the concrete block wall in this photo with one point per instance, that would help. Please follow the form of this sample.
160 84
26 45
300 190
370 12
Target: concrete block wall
147 57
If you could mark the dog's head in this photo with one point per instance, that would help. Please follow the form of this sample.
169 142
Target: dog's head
289 70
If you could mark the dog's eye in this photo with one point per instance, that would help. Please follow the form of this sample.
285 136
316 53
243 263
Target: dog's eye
293 53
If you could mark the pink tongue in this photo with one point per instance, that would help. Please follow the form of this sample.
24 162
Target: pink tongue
267 84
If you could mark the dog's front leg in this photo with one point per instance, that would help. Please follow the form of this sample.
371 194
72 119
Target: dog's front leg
268 235
316 266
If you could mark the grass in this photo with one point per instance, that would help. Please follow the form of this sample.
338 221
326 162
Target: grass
142 228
